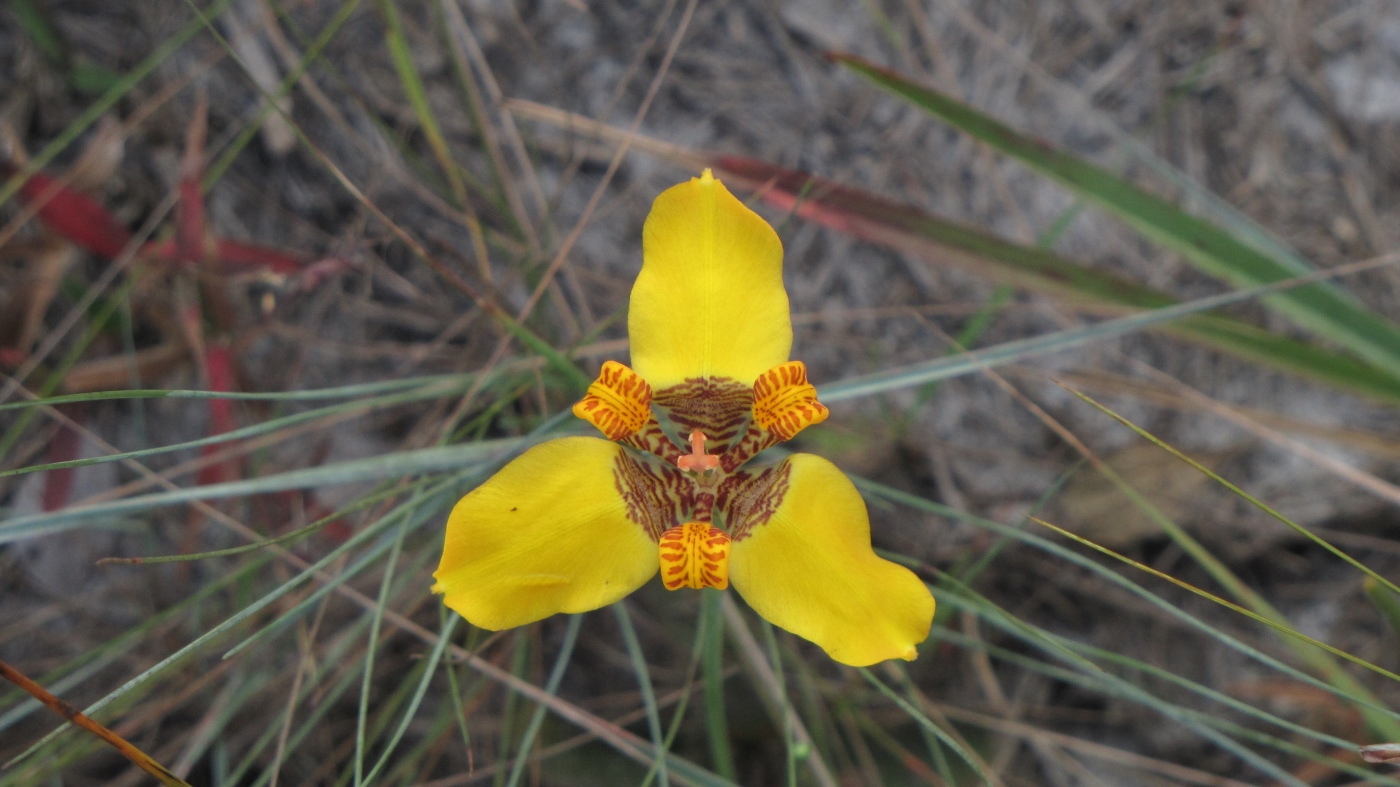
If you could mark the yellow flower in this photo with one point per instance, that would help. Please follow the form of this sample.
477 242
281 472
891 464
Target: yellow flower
578 523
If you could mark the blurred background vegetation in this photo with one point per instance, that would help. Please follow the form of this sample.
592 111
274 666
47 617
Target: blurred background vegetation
1102 295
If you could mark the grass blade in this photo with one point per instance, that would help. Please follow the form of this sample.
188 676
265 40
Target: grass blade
456 382
138 758
556 675
108 100
376 621
431 666
1009 352
1256 502
1090 675
907 229
716 724
766 681
973 762
1351 692
784 703
1323 308
1269 621
639 665
403 463
1385 601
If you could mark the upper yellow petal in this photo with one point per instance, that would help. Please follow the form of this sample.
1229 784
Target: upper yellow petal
548 533
809 569
709 301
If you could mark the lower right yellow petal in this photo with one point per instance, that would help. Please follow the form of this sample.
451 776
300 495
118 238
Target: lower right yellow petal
802 559
549 533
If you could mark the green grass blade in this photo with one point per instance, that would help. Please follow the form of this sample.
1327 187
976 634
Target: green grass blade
396 465
1210 726
338 653
416 516
454 383
36 25
556 675
716 724
909 230
1353 693
1323 308
253 430
286 538
1254 606
518 659
1271 622
376 621
108 100
215 171
925 722
775 658
697 651
1254 501
430 667
78 670
576 379
1095 676
766 682
1020 349
106 309
1136 665
1386 602
639 666
371 531
400 53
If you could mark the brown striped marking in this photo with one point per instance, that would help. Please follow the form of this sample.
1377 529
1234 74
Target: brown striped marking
784 403
720 407
749 499
618 402
694 555
653 440
658 497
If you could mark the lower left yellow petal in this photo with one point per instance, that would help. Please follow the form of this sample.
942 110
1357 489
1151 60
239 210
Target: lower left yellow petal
549 533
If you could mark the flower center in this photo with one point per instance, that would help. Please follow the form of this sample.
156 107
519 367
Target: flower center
697 461
694 555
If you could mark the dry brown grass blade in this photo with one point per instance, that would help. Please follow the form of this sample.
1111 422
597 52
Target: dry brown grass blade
138 758
115 371
596 129
564 248
1355 475
1180 773
753 657
1105 382
50 263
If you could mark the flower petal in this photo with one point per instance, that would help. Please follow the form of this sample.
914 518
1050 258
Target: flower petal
618 402
549 533
801 558
784 403
709 301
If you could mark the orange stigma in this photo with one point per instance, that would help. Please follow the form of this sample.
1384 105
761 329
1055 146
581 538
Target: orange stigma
697 460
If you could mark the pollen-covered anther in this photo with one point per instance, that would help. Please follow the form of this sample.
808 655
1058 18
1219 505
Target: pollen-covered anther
784 403
695 555
618 402
697 460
